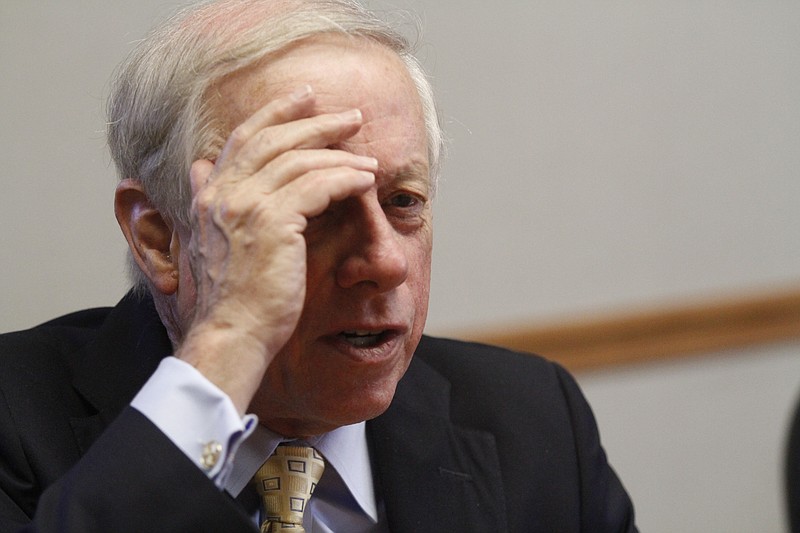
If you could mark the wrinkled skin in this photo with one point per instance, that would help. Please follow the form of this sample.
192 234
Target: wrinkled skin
301 287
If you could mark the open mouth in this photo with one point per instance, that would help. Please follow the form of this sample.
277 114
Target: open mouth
362 338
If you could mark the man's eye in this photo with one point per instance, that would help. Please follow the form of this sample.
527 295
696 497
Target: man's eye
403 200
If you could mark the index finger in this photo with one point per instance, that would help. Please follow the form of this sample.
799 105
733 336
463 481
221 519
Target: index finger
280 126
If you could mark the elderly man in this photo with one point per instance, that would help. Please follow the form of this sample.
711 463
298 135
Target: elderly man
277 162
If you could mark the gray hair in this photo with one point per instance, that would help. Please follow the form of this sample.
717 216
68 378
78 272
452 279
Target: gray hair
159 120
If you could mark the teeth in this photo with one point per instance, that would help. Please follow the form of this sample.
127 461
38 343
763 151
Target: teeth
362 342
361 338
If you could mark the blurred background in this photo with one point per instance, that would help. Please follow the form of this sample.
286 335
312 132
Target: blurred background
630 167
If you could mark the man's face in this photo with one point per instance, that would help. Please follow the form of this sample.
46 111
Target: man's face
368 257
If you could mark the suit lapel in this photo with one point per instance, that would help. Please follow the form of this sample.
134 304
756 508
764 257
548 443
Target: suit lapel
433 474
109 371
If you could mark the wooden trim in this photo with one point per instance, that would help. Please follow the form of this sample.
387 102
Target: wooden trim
659 334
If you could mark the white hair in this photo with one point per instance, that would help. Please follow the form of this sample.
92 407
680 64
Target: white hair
158 118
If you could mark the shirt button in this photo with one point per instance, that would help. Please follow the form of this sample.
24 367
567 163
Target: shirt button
211 453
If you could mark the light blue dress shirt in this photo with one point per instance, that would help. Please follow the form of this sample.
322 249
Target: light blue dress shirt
202 421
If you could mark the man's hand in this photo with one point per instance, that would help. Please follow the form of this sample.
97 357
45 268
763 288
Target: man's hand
247 249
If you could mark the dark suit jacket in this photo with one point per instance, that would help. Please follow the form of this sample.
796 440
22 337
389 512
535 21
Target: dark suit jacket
476 439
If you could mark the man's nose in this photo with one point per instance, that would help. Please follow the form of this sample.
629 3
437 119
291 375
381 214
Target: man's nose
374 254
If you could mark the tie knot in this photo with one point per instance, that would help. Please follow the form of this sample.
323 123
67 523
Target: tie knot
285 482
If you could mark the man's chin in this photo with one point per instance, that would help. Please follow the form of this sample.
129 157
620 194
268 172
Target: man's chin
359 409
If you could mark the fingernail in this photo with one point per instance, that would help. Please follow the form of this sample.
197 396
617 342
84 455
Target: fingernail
368 175
301 92
354 115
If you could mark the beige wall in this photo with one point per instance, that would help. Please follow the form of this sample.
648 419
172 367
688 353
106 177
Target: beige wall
700 444
604 156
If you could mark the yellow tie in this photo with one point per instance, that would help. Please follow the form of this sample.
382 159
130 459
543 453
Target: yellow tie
285 482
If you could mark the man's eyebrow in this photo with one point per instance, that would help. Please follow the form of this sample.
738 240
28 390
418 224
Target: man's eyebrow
414 171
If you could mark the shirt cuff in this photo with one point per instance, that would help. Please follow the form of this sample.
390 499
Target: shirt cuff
196 416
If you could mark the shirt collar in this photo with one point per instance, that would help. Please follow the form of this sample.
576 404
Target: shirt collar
344 448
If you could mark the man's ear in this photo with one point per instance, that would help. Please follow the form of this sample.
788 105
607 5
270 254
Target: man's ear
152 240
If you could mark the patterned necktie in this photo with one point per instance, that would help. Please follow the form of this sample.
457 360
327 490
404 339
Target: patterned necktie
285 482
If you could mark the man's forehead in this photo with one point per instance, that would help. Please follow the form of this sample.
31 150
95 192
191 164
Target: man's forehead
344 72
339 67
